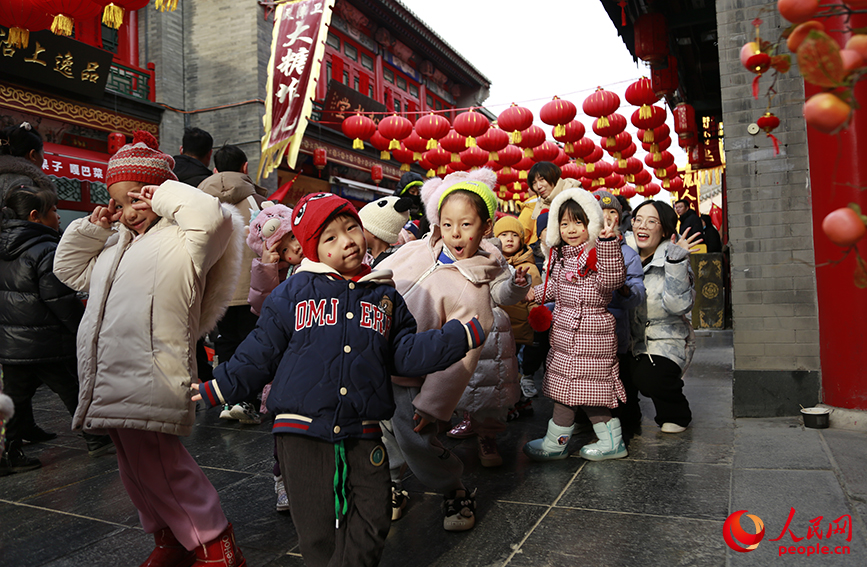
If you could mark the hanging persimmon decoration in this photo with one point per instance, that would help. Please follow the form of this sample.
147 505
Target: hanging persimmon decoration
768 123
471 124
358 128
558 113
22 17
432 127
515 119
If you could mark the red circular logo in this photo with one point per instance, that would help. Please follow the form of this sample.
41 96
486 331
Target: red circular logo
736 537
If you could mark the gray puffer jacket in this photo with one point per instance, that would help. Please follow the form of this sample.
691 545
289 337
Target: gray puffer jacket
16 171
660 326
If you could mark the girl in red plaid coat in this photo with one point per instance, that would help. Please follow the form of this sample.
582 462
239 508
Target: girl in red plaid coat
585 266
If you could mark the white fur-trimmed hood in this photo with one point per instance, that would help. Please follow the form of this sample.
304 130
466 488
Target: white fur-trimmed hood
587 202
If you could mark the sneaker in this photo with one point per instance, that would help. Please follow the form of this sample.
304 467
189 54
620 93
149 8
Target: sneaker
282 497
462 430
227 412
245 413
528 386
459 509
672 428
98 445
38 435
398 501
489 454
14 460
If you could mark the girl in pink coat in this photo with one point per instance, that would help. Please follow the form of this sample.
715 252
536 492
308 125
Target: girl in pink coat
585 265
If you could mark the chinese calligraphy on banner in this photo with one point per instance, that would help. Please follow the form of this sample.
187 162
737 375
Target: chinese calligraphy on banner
297 48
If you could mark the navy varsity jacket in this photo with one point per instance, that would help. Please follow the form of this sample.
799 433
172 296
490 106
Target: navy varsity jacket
330 346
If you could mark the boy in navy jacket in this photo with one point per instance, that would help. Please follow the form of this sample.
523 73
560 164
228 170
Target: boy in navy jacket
330 337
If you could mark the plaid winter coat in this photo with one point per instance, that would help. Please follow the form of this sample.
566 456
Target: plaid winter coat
582 363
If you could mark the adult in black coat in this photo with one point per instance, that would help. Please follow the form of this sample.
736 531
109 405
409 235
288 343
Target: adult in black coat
191 166
711 235
687 218
410 186
39 318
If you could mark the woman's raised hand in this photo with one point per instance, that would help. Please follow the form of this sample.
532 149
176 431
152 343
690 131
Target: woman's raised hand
104 217
607 228
686 241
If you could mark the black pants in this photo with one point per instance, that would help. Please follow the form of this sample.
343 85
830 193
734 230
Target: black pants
534 354
20 382
231 331
629 411
658 378
308 475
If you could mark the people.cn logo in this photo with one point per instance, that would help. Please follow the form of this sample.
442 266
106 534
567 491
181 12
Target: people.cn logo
735 535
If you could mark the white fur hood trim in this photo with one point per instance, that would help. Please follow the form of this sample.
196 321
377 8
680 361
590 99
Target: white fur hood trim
587 202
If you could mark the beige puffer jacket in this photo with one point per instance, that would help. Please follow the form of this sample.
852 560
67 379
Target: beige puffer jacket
151 297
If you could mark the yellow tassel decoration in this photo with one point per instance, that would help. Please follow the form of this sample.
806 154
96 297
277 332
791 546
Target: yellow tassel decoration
404 167
471 142
644 111
456 157
660 173
579 161
559 130
528 152
431 144
610 142
493 156
621 163
394 145
384 155
522 174
507 170
654 149
603 122
441 170
62 25
431 173
666 184
416 156
516 137
569 147
648 137
591 168
112 16
630 178
357 144
170 5
19 37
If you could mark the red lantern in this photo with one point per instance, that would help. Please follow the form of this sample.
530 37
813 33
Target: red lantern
506 178
112 14
767 123
643 177
493 141
580 149
601 103
595 155
524 166
509 156
628 192
381 143
416 143
474 156
454 166
425 164
395 128
618 143
404 156
514 119
376 173
664 79
547 151
651 38
471 124
561 159
640 93
531 138
696 156
684 119
687 140
320 158
629 168
116 140
454 143
432 127
609 125
22 17
626 152
558 113
614 181
598 170
359 128
650 136
570 171
651 189
572 132
652 117
675 184
658 146
65 12
439 157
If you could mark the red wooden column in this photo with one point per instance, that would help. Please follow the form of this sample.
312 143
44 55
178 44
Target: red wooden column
838 176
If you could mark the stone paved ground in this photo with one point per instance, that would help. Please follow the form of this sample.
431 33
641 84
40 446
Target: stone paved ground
663 505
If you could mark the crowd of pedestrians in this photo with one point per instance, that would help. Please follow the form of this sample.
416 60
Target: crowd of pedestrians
361 335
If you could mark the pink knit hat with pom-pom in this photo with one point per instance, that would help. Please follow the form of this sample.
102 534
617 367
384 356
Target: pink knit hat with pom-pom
140 161
269 227
433 190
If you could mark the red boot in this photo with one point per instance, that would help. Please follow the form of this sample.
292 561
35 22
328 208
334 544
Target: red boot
220 552
169 552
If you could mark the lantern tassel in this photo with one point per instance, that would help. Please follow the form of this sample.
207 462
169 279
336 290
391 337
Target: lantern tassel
648 137
522 174
170 5
666 184
62 25
357 144
621 163
431 144
112 16
776 143
431 173
507 170
603 122
493 156
645 112
559 130
404 167
455 157
516 137
756 87
610 142
441 170
394 145
528 152
569 147
416 156
471 142
384 155
19 37
591 167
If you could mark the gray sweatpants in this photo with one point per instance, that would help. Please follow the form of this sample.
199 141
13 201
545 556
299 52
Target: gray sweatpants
434 465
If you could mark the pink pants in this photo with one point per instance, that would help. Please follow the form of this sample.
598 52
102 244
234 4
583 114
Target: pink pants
167 487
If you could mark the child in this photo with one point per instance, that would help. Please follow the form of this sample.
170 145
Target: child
157 281
329 337
449 274
383 221
39 318
584 267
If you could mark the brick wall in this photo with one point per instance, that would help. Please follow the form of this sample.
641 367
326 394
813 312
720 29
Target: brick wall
774 303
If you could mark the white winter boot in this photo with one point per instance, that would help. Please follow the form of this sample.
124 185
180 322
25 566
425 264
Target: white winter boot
554 446
610 444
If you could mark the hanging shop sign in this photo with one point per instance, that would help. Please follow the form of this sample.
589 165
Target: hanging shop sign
59 62
349 158
297 49
342 102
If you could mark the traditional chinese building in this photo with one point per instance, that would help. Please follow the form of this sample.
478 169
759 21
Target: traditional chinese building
211 70
76 91
797 311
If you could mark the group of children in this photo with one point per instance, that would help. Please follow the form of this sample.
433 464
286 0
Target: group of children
359 365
